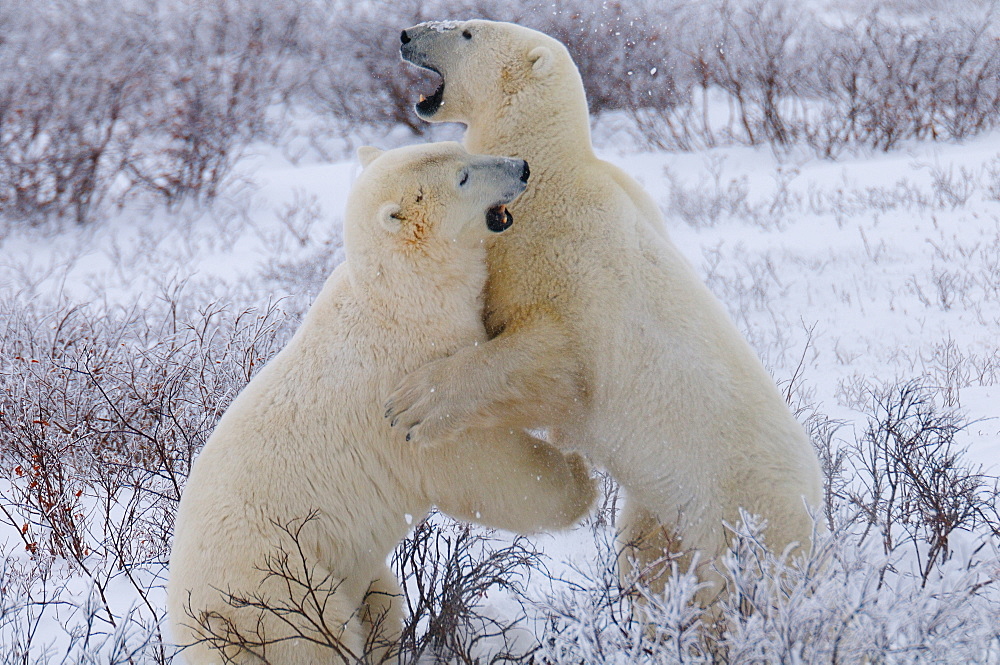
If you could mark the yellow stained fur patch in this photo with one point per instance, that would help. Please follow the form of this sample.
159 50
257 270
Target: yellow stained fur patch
418 228
511 81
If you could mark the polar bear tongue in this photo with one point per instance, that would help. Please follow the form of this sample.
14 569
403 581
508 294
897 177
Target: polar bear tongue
498 218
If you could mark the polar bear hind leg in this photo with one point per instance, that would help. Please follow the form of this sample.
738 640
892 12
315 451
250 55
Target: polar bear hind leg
382 617
648 550
312 627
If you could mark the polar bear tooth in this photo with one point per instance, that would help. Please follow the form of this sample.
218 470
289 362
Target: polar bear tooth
423 98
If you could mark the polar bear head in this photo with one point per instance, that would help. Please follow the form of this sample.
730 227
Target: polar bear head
488 69
429 201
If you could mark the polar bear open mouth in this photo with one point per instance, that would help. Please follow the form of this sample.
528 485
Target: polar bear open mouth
498 218
429 105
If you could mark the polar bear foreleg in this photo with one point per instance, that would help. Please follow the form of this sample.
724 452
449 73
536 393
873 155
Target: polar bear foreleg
526 377
509 480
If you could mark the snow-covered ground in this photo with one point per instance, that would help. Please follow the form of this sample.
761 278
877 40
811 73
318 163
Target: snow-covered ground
847 276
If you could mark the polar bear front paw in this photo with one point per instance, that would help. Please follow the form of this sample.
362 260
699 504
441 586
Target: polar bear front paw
436 429
427 406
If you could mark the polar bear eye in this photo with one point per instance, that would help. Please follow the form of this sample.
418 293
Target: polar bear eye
463 178
467 34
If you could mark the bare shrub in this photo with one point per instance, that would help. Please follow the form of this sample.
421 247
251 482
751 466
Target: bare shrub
872 82
300 613
757 64
40 620
66 90
882 80
621 49
832 606
989 276
832 461
914 485
354 68
946 289
609 502
704 204
101 414
301 269
950 189
445 569
220 69
168 94
950 370
165 98
991 178
758 583
593 619
672 79
903 194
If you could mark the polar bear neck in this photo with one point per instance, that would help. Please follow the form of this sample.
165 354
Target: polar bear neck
551 137
446 284
537 142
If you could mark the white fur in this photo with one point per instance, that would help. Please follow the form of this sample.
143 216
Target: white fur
602 330
308 433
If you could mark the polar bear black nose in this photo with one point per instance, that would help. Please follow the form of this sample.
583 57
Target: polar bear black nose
525 173
403 37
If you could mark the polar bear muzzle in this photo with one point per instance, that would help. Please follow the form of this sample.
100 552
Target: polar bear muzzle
498 217
414 49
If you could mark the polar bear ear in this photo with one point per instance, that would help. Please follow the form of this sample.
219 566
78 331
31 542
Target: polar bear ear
367 154
390 217
541 59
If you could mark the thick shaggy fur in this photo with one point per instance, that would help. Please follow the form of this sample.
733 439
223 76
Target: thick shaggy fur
307 436
600 329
